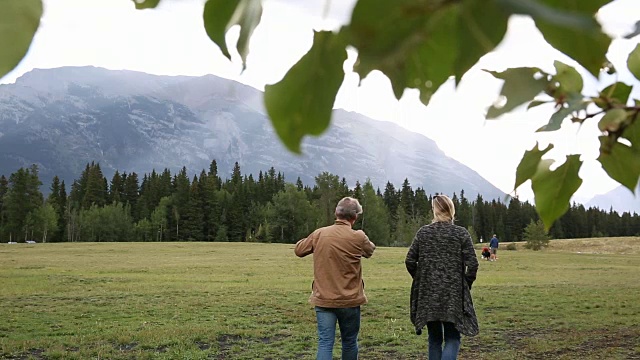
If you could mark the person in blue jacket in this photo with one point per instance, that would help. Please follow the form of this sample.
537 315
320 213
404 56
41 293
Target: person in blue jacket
493 244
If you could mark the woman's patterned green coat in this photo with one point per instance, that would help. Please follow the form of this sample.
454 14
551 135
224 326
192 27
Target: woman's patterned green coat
443 265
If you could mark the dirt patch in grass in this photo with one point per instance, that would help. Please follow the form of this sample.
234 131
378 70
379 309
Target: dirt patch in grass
203 345
225 342
625 340
31 354
272 339
161 349
126 347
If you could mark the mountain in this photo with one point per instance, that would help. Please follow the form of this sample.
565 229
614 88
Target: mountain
63 118
620 199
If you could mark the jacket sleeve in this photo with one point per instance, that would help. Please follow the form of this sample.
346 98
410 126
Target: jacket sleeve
470 259
367 246
412 257
304 247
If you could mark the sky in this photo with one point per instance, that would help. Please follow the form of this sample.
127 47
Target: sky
171 40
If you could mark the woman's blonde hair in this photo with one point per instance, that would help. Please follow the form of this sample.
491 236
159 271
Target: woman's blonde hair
443 209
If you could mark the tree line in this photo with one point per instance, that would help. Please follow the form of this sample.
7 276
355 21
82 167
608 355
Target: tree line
175 207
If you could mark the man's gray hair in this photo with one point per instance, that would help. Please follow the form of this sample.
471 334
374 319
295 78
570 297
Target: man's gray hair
348 209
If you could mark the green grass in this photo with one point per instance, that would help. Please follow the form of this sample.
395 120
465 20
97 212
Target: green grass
249 301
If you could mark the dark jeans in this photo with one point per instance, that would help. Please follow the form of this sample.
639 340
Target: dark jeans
349 321
438 331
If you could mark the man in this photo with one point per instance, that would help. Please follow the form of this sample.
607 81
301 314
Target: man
338 289
493 244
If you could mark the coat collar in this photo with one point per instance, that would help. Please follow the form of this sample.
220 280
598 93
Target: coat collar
342 222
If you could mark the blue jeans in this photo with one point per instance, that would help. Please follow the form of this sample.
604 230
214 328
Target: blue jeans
438 331
349 321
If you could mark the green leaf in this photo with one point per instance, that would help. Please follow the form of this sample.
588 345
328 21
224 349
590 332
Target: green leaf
557 12
553 189
620 161
633 62
520 86
529 164
427 74
301 103
569 79
482 26
586 44
632 132
612 120
146 4
409 41
535 103
573 104
617 93
220 15
19 20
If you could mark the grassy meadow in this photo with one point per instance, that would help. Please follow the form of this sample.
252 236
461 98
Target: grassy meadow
576 300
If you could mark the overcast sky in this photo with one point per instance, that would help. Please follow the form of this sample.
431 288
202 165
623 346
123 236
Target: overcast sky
171 40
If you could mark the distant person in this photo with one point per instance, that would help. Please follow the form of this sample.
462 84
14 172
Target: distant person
486 254
338 289
493 244
443 265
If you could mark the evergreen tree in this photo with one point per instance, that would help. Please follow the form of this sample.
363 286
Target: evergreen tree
480 221
4 189
513 226
375 217
23 197
536 235
221 234
62 213
392 202
328 193
357 191
165 187
78 188
57 199
422 205
464 212
116 188
236 179
192 217
207 188
213 175
299 184
407 199
235 216
94 187
131 194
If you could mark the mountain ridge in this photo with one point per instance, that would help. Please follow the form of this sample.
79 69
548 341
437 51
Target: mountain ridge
620 199
129 121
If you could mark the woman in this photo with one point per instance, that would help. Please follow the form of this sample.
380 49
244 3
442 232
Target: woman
443 265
